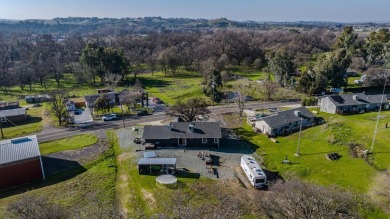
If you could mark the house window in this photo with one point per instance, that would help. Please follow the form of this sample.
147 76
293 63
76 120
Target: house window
204 140
216 140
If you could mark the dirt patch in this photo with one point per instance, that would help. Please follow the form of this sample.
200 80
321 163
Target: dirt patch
149 198
65 160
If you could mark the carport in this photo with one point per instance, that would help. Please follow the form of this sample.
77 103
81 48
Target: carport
156 165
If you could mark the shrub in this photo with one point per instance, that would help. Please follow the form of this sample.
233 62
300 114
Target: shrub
309 101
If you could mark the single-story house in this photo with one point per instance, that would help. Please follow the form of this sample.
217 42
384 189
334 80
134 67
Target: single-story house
91 99
175 134
352 103
13 115
285 122
20 161
37 99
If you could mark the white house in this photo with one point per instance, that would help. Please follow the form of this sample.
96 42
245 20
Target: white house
285 122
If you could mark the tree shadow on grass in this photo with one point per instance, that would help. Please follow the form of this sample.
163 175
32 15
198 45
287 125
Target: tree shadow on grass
149 82
29 120
56 171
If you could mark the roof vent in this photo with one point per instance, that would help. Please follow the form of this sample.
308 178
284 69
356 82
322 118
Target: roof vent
355 97
297 113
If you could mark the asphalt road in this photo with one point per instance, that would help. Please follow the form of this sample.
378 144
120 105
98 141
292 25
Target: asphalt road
115 124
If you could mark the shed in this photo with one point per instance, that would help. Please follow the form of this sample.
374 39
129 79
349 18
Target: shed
150 165
13 115
20 161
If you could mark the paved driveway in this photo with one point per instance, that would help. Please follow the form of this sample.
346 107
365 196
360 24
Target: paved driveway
84 117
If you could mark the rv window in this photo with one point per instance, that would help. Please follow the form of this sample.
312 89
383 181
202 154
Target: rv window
259 181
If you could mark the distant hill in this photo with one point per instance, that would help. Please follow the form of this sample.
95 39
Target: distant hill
144 25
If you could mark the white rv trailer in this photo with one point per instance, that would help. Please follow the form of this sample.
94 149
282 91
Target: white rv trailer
253 172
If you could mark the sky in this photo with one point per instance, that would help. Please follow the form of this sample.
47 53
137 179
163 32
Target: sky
239 10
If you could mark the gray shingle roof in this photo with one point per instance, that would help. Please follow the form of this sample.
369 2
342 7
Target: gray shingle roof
16 149
93 97
286 117
181 130
13 112
347 99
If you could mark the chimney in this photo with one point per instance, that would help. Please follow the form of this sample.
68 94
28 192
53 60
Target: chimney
170 126
356 97
191 127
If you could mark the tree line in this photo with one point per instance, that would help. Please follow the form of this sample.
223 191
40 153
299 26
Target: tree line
320 57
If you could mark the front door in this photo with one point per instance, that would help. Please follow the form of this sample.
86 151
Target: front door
182 141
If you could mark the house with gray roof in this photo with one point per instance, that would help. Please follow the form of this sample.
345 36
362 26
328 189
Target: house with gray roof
113 98
199 134
352 103
20 161
285 122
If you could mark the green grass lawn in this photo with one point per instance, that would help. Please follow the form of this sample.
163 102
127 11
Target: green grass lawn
247 72
348 172
75 142
75 189
170 88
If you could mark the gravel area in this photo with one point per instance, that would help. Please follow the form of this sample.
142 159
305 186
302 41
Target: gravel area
226 159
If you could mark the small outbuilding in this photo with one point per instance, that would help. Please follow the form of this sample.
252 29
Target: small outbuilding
156 165
13 115
20 162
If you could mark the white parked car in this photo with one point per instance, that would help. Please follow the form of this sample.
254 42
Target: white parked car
107 117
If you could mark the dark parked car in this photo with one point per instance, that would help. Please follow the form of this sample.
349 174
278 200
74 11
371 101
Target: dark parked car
142 113
77 112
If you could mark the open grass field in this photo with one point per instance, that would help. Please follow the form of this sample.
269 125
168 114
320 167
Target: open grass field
75 142
81 189
170 88
351 173
247 72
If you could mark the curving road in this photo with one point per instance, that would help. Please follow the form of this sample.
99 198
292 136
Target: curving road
98 126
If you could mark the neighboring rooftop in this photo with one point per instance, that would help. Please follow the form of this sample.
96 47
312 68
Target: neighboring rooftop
361 98
17 149
12 112
183 130
288 116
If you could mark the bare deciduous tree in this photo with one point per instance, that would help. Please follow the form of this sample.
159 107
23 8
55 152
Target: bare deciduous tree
57 106
190 109
244 89
297 199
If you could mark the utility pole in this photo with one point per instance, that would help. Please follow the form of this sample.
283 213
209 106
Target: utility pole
299 140
212 89
378 117
1 128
